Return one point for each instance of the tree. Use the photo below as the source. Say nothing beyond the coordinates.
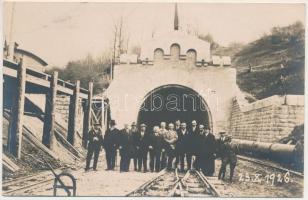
(85, 70)
(209, 38)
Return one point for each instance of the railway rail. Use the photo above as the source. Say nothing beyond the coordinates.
(270, 165)
(173, 183)
(28, 182)
(192, 183)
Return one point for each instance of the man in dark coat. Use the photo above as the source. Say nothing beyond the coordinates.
(144, 141)
(95, 140)
(177, 129)
(198, 145)
(126, 148)
(219, 143)
(177, 126)
(194, 139)
(110, 145)
(207, 157)
(135, 141)
(228, 156)
(155, 148)
(163, 131)
(183, 149)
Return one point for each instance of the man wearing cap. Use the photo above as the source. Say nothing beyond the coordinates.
(228, 156)
(95, 140)
(110, 144)
(126, 148)
(207, 157)
(222, 136)
(135, 140)
(144, 141)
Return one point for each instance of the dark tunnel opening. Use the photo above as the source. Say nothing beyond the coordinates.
(174, 102)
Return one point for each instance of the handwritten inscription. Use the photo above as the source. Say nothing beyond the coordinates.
(270, 179)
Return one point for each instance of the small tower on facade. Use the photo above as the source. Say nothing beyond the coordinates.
(172, 62)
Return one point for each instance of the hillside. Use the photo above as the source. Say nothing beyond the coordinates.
(281, 52)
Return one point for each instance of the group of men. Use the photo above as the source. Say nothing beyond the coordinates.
(167, 146)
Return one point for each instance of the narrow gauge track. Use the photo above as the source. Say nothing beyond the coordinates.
(172, 183)
(270, 165)
(27, 182)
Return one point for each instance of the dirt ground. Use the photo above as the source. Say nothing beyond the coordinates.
(114, 183)
(96, 183)
(271, 183)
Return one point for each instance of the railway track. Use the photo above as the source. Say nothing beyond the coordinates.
(270, 165)
(24, 183)
(173, 183)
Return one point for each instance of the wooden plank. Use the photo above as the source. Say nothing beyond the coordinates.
(87, 116)
(16, 122)
(43, 82)
(68, 145)
(9, 164)
(73, 112)
(49, 118)
(28, 135)
(31, 138)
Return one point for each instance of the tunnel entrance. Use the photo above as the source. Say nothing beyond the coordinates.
(174, 102)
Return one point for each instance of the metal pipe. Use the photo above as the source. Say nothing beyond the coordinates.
(274, 151)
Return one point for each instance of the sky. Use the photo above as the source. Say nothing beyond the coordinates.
(60, 32)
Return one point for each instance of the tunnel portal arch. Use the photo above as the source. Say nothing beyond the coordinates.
(171, 102)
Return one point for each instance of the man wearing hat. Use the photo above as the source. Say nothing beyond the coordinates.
(135, 142)
(95, 140)
(144, 142)
(110, 144)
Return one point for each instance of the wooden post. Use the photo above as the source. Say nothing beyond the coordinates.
(73, 112)
(87, 116)
(49, 118)
(16, 122)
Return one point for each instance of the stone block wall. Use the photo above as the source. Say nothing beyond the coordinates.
(62, 108)
(267, 120)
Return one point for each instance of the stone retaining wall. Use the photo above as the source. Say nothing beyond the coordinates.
(266, 120)
(62, 109)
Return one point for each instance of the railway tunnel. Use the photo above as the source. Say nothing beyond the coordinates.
(169, 103)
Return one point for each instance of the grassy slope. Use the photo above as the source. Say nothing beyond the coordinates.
(269, 53)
